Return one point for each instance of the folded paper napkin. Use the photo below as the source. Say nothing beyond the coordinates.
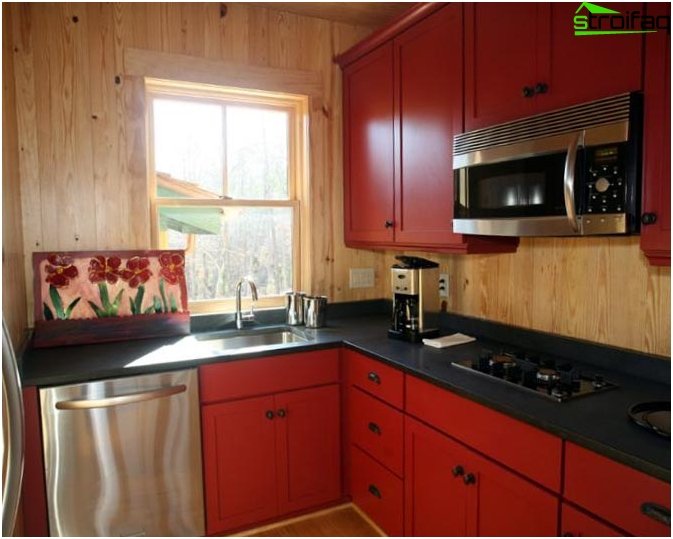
(449, 340)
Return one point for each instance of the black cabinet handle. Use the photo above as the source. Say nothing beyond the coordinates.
(469, 479)
(457, 471)
(648, 218)
(374, 377)
(389, 224)
(374, 428)
(528, 91)
(281, 413)
(541, 88)
(656, 512)
(269, 414)
(374, 491)
(567, 534)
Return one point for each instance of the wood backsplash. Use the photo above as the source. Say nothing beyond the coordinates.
(599, 289)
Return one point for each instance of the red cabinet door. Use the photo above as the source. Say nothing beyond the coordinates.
(428, 111)
(435, 503)
(500, 59)
(368, 148)
(655, 237)
(576, 523)
(239, 463)
(585, 68)
(308, 445)
(503, 504)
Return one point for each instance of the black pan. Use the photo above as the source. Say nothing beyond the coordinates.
(654, 416)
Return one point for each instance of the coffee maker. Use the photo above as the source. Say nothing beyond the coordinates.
(415, 284)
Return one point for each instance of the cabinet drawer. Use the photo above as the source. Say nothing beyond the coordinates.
(377, 492)
(615, 492)
(377, 428)
(523, 448)
(576, 523)
(375, 378)
(260, 376)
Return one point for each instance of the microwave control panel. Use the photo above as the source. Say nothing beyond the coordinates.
(605, 180)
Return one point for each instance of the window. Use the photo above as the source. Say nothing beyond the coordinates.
(228, 175)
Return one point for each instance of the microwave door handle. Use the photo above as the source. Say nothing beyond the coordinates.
(569, 180)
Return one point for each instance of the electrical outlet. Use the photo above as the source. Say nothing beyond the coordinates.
(443, 285)
(361, 277)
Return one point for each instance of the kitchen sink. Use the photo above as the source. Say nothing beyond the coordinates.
(241, 340)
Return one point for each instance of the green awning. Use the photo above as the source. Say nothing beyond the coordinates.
(191, 220)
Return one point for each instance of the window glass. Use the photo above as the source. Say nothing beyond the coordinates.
(188, 148)
(228, 243)
(257, 153)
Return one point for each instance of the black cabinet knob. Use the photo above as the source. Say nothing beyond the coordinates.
(469, 479)
(373, 377)
(528, 91)
(648, 218)
(389, 224)
(281, 413)
(457, 471)
(374, 491)
(374, 428)
(269, 414)
(541, 88)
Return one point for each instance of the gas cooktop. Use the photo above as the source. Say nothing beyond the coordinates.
(556, 380)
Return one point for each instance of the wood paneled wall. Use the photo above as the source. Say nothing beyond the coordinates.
(83, 170)
(598, 289)
(82, 133)
(13, 282)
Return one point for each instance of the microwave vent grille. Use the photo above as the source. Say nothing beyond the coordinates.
(605, 111)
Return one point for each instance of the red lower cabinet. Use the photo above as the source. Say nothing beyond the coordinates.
(452, 491)
(637, 503)
(269, 456)
(308, 447)
(378, 492)
(576, 523)
(239, 463)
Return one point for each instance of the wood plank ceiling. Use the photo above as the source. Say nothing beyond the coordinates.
(372, 14)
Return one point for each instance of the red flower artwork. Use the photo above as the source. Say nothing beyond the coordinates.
(60, 270)
(136, 272)
(104, 269)
(172, 267)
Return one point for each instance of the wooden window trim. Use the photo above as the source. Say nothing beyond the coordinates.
(297, 107)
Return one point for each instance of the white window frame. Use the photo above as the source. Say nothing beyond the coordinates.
(298, 184)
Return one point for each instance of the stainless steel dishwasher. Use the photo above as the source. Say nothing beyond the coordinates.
(123, 456)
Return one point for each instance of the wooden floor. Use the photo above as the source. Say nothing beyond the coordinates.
(342, 521)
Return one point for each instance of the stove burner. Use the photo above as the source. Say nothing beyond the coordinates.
(544, 376)
(548, 376)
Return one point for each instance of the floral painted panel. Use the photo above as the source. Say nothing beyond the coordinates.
(96, 285)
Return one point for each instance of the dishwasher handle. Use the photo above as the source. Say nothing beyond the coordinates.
(118, 400)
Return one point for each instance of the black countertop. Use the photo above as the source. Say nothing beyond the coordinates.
(598, 422)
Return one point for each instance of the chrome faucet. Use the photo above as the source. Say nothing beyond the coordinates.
(241, 319)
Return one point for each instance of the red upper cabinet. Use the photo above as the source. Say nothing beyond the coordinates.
(403, 103)
(428, 111)
(585, 68)
(368, 147)
(655, 237)
(524, 59)
(500, 58)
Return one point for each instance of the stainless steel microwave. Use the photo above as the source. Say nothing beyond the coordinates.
(571, 172)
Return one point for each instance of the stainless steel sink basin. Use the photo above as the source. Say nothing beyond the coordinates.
(252, 339)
